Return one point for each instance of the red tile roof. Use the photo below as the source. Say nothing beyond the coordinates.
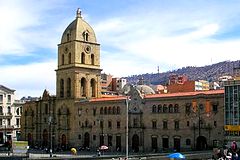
(113, 98)
(180, 94)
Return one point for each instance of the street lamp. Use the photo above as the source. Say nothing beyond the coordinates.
(50, 123)
(127, 101)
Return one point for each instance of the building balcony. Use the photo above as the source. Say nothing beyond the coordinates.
(6, 127)
(88, 126)
(137, 126)
(63, 128)
(29, 127)
(9, 114)
(5, 115)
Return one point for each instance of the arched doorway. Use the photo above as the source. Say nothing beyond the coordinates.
(29, 139)
(86, 140)
(154, 144)
(201, 143)
(64, 142)
(177, 143)
(135, 143)
(45, 138)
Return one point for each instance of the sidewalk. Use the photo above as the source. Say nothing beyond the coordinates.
(108, 155)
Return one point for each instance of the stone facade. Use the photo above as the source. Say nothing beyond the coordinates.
(80, 116)
(156, 122)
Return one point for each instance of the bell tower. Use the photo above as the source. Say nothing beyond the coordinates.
(78, 73)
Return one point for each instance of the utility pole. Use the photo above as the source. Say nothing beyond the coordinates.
(194, 137)
(102, 133)
(50, 123)
(5, 128)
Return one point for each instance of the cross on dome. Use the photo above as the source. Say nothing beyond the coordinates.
(79, 13)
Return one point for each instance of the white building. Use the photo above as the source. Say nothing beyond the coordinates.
(121, 83)
(10, 114)
(214, 86)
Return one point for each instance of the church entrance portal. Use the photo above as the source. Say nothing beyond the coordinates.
(135, 143)
(201, 143)
(86, 140)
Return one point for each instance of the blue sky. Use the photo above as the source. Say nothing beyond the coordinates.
(137, 35)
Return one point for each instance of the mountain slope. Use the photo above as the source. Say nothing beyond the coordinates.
(209, 73)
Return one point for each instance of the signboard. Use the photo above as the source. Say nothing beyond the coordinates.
(232, 127)
(20, 147)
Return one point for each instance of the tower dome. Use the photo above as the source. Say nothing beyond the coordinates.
(144, 89)
(79, 30)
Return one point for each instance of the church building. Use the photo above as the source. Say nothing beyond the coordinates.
(79, 116)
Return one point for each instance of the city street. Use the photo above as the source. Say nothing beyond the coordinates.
(108, 155)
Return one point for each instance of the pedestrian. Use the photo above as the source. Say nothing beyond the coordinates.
(225, 151)
(74, 151)
(234, 146)
(98, 152)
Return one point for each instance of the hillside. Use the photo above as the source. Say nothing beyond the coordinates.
(209, 72)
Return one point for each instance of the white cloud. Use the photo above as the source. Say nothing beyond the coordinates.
(183, 42)
(142, 38)
(30, 79)
(27, 25)
(201, 32)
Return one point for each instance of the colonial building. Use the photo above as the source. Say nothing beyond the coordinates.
(80, 116)
(10, 114)
(181, 121)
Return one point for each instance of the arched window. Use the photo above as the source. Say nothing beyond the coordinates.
(154, 109)
(170, 108)
(9, 110)
(69, 58)
(17, 111)
(61, 88)
(93, 88)
(86, 36)
(105, 110)
(101, 110)
(188, 142)
(86, 123)
(83, 58)
(68, 87)
(176, 108)
(1, 110)
(92, 59)
(109, 110)
(118, 110)
(68, 37)
(46, 108)
(83, 87)
(114, 110)
(159, 108)
(165, 108)
(62, 59)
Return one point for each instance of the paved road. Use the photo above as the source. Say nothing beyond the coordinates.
(108, 156)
